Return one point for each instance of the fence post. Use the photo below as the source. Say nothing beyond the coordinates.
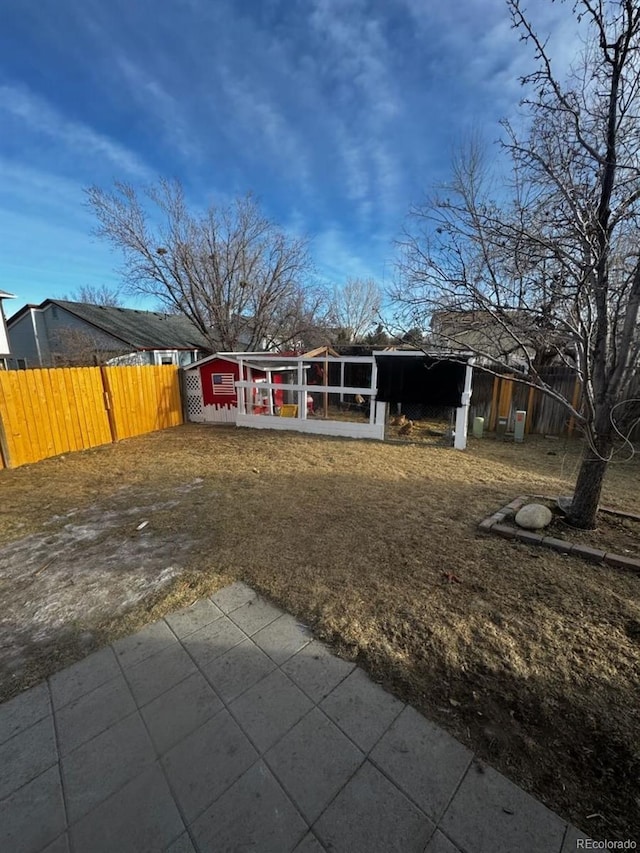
(108, 403)
(529, 422)
(493, 414)
(4, 445)
(182, 384)
(577, 388)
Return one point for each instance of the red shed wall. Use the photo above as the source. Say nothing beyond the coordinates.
(220, 365)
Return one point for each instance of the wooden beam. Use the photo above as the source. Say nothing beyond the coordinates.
(527, 426)
(493, 414)
(577, 391)
(4, 445)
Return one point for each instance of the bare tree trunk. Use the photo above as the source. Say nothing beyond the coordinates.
(588, 489)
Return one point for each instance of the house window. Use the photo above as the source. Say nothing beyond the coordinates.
(21, 363)
(223, 383)
(166, 359)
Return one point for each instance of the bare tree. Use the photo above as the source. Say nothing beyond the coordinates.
(100, 294)
(549, 260)
(355, 307)
(79, 348)
(239, 278)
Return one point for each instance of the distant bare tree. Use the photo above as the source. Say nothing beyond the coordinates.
(79, 348)
(355, 308)
(239, 278)
(100, 294)
(550, 259)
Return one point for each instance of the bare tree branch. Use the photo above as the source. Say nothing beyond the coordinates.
(239, 279)
(547, 264)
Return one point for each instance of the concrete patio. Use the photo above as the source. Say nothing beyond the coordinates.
(227, 727)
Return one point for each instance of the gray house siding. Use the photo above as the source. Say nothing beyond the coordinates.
(23, 341)
(41, 336)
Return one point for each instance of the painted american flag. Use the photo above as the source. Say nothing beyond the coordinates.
(223, 383)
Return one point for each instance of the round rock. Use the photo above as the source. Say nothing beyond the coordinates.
(533, 516)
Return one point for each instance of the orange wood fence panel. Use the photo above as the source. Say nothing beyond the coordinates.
(51, 411)
(142, 399)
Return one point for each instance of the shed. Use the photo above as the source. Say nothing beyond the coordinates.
(210, 386)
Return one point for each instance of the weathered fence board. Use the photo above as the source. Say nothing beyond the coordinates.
(501, 396)
(51, 411)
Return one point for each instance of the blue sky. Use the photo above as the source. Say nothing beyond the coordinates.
(337, 114)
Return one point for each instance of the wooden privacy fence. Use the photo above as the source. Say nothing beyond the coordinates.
(47, 412)
(497, 397)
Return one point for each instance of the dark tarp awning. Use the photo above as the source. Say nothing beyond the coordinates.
(414, 379)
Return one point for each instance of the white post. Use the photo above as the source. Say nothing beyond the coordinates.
(269, 394)
(302, 395)
(342, 381)
(462, 413)
(240, 391)
(374, 388)
(250, 391)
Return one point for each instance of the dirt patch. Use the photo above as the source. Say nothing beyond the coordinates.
(532, 659)
(613, 534)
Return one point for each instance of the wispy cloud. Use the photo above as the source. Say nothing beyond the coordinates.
(263, 129)
(80, 139)
(164, 108)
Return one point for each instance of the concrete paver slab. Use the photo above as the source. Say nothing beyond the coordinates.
(149, 641)
(313, 762)
(83, 677)
(316, 671)
(142, 816)
(213, 640)
(27, 755)
(34, 815)
(282, 638)
(84, 718)
(573, 835)
(423, 760)
(288, 751)
(362, 709)
(254, 814)
(23, 711)
(159, 673)
(309, 844)
(233, 596)
(181, 845)
(180, 711)
(489, 814)
(238, 669)
(190, 619)
(255, 614)
(370, 815)
(203, 765)
(60, 845)
(98, 768)
(270, 708)
(440, 844)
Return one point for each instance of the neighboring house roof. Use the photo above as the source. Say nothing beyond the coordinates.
(480, 331)
(139, 329)
(5, 295)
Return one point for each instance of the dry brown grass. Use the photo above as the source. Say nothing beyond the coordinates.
(533, 660)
